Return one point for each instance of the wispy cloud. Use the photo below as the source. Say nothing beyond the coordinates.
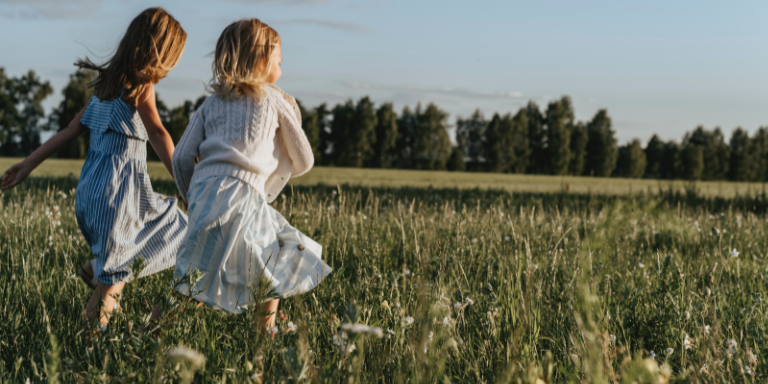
(462, 93)
(340, 25)
(49, 9)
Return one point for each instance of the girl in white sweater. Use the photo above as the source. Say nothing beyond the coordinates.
(240, 149)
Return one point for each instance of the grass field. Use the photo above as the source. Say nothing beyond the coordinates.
(466, 285)
(465, 180)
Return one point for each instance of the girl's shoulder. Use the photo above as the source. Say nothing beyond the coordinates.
(279, 95)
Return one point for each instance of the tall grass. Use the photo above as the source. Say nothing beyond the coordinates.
(465, 285)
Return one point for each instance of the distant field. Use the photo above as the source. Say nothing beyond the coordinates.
(442, 179)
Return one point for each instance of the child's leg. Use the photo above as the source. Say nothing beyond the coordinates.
(269, 307)
(104, 293)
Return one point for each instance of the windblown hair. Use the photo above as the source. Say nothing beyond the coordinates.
(244, 54)
(151, 47)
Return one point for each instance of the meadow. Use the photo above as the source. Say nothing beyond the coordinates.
(432, 282)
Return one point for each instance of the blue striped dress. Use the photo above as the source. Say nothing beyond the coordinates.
(120, 216)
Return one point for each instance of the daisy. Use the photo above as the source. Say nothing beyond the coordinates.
(734, 253)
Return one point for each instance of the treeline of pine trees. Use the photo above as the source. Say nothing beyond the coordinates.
(533, 140)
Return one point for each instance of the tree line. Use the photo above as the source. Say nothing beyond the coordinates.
(533, 140)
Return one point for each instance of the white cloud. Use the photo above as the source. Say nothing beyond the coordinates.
(49, 9)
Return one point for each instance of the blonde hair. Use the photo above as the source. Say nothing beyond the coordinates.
(242, 60)
(151, 47)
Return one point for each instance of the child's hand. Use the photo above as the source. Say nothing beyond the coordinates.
(15, 175)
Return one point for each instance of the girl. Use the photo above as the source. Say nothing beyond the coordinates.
(248, 139)
(119, 215)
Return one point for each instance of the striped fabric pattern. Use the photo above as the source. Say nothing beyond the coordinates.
(119, 215)
(235, 238)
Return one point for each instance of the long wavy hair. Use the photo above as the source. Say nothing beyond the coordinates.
(151, 47)
(242, 60)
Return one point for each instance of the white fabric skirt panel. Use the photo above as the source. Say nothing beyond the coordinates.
(235, 238)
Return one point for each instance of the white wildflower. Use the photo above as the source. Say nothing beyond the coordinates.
(457, 305)
(409, 320)
(706, 330)
(704, 370)
(641, 265)
(670, 351)
(291, 327)
(751, 356)
(407, 272)
(272, 330)
(613, 339)
(469, 301)
(351, 348)
(431, 334)
(447, 320)
(734, 253)
(731, 343)
(748, 369)
(688, 342)
(306, 213)
(362, 328)
(474, 241)
(652, 355)
(390, 331)
(183, 354)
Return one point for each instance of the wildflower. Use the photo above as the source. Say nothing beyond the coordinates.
(457, 305)
(652, 355)
(385, 304)
(390, 331)
(351, 348)
(734, 253)
(535, 266)
(407, 272)
(704, 370)
(291, 327)
(431, 334)
(751, 356)
(255, 376)
(687, 315)
(731, 343)
(272, 330)
(447, 320)
(61, 231)
(613, 339)
(688, 342)
(670, 351)
(506, 238)
(182, 353)
(55, 208)
(333, 192)
(469, 301)
(706, 330)
(409, 320)
(306, 213)
(748, 369)
(362, 328)
(474, 241)
(641, 265)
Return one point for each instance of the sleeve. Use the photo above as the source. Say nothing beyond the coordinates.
(187, 151)
(294, 138)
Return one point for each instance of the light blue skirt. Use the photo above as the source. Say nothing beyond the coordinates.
(235, 238)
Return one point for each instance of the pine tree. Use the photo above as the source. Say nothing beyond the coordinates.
(407, 125)
(431, 145)
(693, 161)
(341, 124)
(497, 144)
(456, 161)
(671, 161)
(536, 139)
(654, 152)
(715, 152)
(21, 111)
(631, 162)
(578, 149)
(311, 128)
(559, 118)
(76, 96)
(519, 142)
(602, 151)
(386, 137)
(760, 148)
(472, 132)
(325, 147)
(742, 167)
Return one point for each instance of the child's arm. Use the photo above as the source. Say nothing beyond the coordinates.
(159, 138)
(19, 171)
(295, 140)
(187, 151)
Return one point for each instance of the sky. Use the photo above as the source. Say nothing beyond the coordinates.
(657, 66)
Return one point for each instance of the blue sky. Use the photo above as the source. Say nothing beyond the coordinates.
(658, 66)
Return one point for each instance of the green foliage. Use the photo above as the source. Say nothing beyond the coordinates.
(632, 160)
(693, 161)
(471, 132)
(579, 138)
(537, 163)
(431, 146)
(175, 120)
(76, 96)
(311, 127)
(385, 153)
(501, 287)
(21, 112)
(559, 118)
(715, 152)
(602, 151)
(654, 154)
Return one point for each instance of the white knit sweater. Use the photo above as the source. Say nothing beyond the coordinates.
(259, 141)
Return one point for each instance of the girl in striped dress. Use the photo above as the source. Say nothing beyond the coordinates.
(119, 215)
(248, 139)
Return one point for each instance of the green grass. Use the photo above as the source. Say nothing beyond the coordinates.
(503, 287)
(441, 179)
